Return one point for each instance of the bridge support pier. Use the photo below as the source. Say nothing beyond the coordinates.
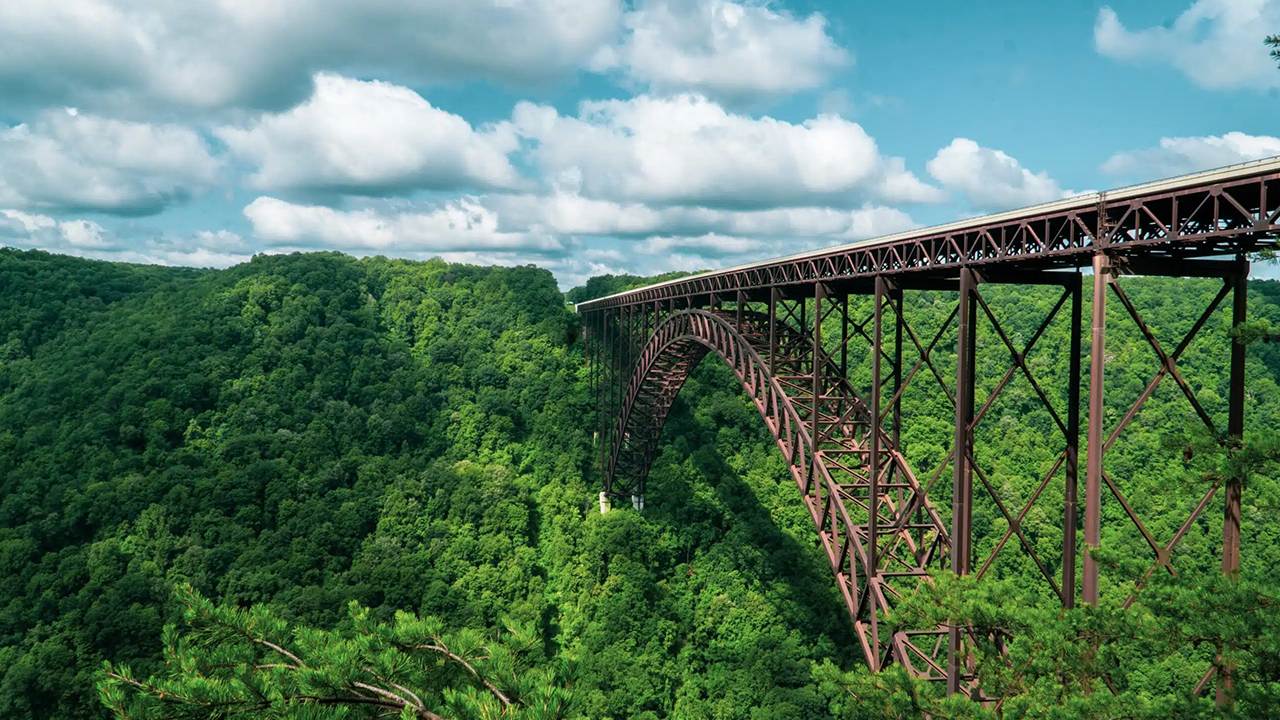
(962, 469)
(1071, 487)
(1225, 693)
(873, 516)
(1093, 472)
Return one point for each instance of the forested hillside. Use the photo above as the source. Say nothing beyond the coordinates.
(329, 474)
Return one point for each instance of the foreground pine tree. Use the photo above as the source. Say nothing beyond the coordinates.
(226, 662)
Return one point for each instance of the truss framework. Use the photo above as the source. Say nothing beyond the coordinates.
(787, 330)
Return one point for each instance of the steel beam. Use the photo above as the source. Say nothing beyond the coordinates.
(897, 368)
(1235, 210)
(1069, 510)
(873, 509)
(819, 297)
(962, 469)
(1094, 464)
(1225, 694)
(1235, 421)
(774, 296)
(897, 505)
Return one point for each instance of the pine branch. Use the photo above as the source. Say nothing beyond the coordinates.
(439, 647)
(400, 702)
(167, 696)
(298, 663)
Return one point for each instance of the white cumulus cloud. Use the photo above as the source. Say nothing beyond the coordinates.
(689, 150)
(1180, 155)
(370, 138)
(990, 179)
(730, 50)
(571, 214)
(459, 225)
(1215, 43)
(35, 230)
(130, 55)
(702, 247)
(87, 238)
(66, 159)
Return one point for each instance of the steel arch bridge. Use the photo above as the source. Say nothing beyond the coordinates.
(789, 329)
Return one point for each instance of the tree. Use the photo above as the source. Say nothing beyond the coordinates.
(303, 430)
(227, 662)
(1273, 41)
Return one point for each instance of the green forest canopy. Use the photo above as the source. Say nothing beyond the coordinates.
(326, 474)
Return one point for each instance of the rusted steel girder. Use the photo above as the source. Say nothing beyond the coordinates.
(830, 465)
(877, 522)
(1228, 217)
(879, 516)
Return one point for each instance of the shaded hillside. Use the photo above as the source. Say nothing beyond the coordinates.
(303, 431)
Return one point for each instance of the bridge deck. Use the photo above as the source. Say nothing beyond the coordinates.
(843, 445)
(1218, 212)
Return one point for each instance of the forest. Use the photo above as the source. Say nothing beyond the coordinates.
(314, 486)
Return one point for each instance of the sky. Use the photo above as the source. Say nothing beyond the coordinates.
(597, 136)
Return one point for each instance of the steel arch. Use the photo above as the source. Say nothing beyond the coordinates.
(833, 474)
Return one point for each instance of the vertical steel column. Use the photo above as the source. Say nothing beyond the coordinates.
(591, 342)
(1072, 479)
(1094, 460)
(596, 323)
(819, 295)
(841, 407)
(1225, 694)
(962, 478)
(773, 330)
(804, 305)
(844, 336)
(1235, 423)
(896, 296)
(873, 463)
(619, 352)
(645, 328)
(606, 388)
(898, 322)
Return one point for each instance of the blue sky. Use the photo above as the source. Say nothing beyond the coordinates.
(592, 136)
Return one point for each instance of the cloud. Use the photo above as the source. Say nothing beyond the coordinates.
(689, 150)
(735, 51)
(703, 246)
(663, 253)
(74, 161)
(370, 138)
(570, 214)
(1215, 43)
(34, 230)
(1180, 155)
(608, 237)
(459, 225)
(86, 238)
(131, 55)
(990, 179)
(570, 235)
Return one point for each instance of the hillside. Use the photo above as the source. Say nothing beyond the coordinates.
(304, 431)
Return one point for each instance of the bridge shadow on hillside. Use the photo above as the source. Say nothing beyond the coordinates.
(720, 485)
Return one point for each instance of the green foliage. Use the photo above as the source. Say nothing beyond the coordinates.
(1274, 42)
(301, 430)
(232, 663)
(301, 433)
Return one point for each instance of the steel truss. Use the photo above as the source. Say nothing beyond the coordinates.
(789, 331)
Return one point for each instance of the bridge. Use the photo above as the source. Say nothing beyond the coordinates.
(789, 328)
